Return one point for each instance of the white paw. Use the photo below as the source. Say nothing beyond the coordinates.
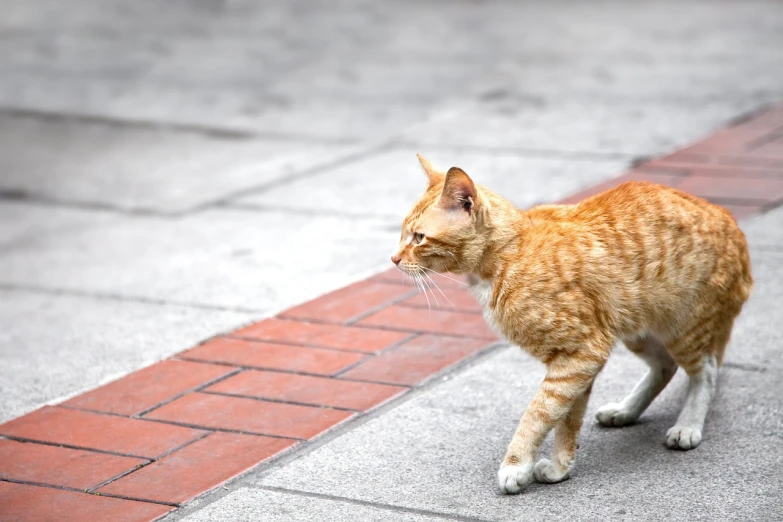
(513, 479)
(613, 414)
(548, 472)
(683, 437)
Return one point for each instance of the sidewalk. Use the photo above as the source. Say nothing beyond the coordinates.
(140, 216)
(166, 434)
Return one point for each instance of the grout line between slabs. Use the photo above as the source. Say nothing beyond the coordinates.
(386, 328)
(744, 367)
(136, 499)
(375, 309)
(226, 133)
(189, 390)
(224, 430)
(307, 172)
(260, 207)
(742, 202)
(142, 466)
(118, 477)
(83, 492)
(123, 298)
(392, 347)
(291, 343)
(43, 200)
(441, 308)
(427, 332)
(771, 137)
(369, 503)
(422, 387)
(282, 401)
(72, 446)
(332, 376)
(358, 420)
(768, 207)
(577, 155)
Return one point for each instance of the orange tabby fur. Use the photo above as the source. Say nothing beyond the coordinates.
(661, 270)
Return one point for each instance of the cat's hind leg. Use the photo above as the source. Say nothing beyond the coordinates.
(699, 354)
(662, 369)
(686, 434)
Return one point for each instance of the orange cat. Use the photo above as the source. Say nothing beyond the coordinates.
(661, 270)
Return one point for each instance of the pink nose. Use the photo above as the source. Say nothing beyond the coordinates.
(396, 259)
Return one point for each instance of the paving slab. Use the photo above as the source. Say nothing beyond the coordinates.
(757, 335)
(439, 451)
(141, 169)
(548, 81)
(359, 68)
(22, 223)
(638, 52)
(251, 505)
(575, 125)
(387, 184)
(53, 346)
(765, 231)
(219, 258)
(232, 66)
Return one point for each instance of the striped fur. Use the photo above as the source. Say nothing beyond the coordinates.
(659, 269)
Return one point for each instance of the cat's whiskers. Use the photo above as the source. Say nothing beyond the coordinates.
(439, 290)
(443, 275)
(414, 281)
(420, 281)
(424, 275)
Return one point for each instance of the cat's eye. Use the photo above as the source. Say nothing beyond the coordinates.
(418, 237)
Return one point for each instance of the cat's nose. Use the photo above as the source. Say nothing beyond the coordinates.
(396, 259)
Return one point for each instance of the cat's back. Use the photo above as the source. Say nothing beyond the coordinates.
(677, 243)
(649, 249)
(648, 213)
(638, 215)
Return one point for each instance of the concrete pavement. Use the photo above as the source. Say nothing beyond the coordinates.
(169, 171)
(435, 454)
(184, 155)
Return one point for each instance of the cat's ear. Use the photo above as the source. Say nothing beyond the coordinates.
(459, 192)
(433, 175)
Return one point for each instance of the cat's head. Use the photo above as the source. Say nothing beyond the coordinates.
(441, 232)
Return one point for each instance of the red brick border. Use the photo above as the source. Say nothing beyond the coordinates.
(138, 447)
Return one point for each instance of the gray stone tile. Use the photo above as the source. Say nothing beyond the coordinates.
(252, 505)
(354, 69)
(439, 451)
(389, 183)
(575, 125)
(757, 336)
(236, 66)
(53, 346)
(25, 223)
(765, 231)
(134, 168)
(262, 261)
(637, 53)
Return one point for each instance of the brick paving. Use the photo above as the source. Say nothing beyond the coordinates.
(138, 447)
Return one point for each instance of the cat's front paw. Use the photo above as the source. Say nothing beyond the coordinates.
(614, 415)
(513, 479)
(548, 472)
(683, 437)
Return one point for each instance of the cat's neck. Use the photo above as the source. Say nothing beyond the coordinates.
(503, 225)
